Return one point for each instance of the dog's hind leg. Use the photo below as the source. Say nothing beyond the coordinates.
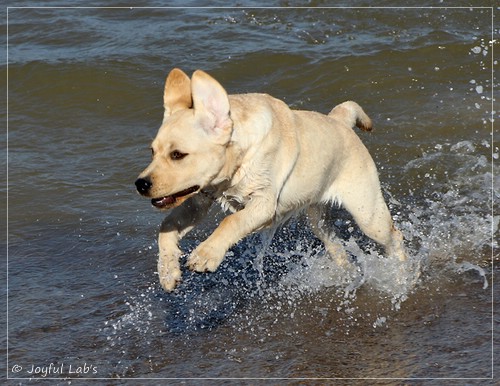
(374, 219)
(316, 215)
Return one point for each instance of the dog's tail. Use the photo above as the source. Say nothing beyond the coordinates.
(353, 114)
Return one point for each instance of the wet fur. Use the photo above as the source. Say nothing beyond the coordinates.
(262, 161)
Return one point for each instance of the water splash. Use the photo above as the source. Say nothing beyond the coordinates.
(455, 221)
(283, 269)
(446, 221)
(136, 318)
(466, 266)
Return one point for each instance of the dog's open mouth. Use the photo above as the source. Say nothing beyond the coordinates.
(172, 200)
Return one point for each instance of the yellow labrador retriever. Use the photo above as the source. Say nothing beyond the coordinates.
(263, 162)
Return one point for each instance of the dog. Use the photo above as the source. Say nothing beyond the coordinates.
(263, 162)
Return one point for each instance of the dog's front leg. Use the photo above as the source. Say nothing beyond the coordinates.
(175, 226)
(210, 253)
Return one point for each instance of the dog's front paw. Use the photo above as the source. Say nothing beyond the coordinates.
(169, 276)
(204, 259)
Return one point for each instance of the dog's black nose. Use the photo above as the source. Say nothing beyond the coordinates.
(143, 185)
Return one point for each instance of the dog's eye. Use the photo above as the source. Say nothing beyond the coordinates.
(152, 152)
(177, 155)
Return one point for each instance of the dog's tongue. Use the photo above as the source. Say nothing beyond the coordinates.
(162, 202)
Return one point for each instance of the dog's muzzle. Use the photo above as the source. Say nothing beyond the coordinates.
(144, 185)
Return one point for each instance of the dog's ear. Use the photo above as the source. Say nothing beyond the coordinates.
(177, 94)
(211, 105)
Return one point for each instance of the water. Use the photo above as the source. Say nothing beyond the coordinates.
(84, 101)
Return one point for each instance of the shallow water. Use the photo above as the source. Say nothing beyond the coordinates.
(84, 101)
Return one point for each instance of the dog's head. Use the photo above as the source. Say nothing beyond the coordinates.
(189, 150)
